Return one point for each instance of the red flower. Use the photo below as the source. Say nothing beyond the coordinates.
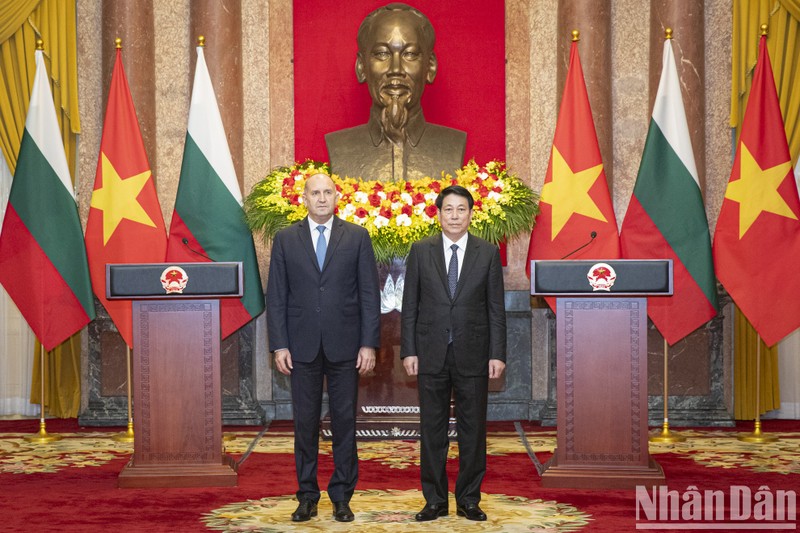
(355, 186)
(407, 210)
(378, 186)
(289, 182)
(408, 187)
(361, 213)
(338, 187)
(497, 189)
(436, 186)
(453, 181)
(478, 205)
(374, 200)
(418, 198)
(483, 191)
(393, 195)
(431, 211)
(294, 199)
(386, 212)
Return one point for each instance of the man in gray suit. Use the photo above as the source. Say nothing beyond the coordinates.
(323, 315)
(454, 340)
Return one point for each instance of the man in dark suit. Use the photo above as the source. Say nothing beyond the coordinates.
(453, 340)
(323, 315)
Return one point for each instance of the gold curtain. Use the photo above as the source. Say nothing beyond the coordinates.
(783, 44)
(21, 23)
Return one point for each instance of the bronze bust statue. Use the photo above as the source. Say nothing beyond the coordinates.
(396, 59)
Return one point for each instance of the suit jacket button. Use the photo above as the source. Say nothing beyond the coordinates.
(322, 289)
(317, 309)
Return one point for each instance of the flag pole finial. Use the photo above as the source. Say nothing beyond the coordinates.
(201, 41)
(576, 36)
(763, 29)
(668, 33)
(118, 43)
(39, 44)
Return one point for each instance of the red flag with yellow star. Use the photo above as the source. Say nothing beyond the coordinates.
(125, 223)
(757, 238)
(576, 218)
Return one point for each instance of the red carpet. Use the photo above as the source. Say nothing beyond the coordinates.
(71, 485)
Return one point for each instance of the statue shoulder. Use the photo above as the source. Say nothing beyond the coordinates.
(443, 132)
(359, 134)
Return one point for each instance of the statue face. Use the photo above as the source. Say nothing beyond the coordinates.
(396, 62)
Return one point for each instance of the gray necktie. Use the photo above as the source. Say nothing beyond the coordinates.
(322, 246)
(452, 271)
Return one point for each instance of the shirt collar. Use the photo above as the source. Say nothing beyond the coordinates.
(462, 242)
(313, 225)
(414, 129)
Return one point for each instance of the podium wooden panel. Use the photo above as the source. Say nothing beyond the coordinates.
(177, 395)
(601, 345)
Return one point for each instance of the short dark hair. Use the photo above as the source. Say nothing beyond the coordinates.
(454, 189)
(426, 32)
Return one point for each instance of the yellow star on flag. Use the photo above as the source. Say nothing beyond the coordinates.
(117, 199)
(568, 193)
(756, 190)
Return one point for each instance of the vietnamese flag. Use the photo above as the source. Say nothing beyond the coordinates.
(125, 224)
(208, 221)
(757, 238)
(666, 218)
(575, 207)
(42, 255)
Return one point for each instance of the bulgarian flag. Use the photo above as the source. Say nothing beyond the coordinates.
(125, 224)
(208, 221)
(666, 218)
(757, 238)
(43, 263)
(576, 217)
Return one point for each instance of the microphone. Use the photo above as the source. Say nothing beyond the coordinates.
(592, 237)
(185, 242)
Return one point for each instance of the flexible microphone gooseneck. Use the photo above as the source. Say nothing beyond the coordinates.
(592, 237)
(185, 242)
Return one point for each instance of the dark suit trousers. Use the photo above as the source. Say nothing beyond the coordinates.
(307, 379)
(471, 396)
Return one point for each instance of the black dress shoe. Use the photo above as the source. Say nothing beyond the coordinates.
(431, 512)
(471, 511)
(342, 512)
(304, 511)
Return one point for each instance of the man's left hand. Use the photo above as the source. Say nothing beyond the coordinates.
(366, 360)
(496, 367)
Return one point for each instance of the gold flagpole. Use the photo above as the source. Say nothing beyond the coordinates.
(665, 436)
(42, 437)
(127, 436)
(756, 436)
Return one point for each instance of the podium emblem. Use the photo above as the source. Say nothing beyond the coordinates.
(174, 279)
(601, 277)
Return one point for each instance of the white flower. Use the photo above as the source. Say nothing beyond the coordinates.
(381, 221)
(403, 220)
(360, 197)
(382, 195)
(431, 196)
(406, 198)
(348, 211)
(496, 196)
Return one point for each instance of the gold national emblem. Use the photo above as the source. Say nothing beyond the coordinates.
(174, 279)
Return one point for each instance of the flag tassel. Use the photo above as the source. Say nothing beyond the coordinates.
(757, 437)
(42, 437)
(666, 436)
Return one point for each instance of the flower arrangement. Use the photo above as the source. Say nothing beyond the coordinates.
(397, 213)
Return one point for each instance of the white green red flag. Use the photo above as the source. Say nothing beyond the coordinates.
(43, 264)
(576, 216)
(208, 221)
(125, 223)
(666, 218)
(757, 238)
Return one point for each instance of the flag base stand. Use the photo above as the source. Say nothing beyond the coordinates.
(125, 436)
(757, 437)
(666, 436)
(43, 437)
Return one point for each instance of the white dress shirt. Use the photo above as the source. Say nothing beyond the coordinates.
(462, 246)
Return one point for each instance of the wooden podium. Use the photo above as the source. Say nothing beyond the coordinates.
(176, 371)
(601, 344)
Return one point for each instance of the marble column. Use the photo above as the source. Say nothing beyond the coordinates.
(592, 18)
(131, 21)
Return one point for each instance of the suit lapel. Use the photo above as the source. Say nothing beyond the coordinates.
(470, 257)
(305, 239)
(437, 251)
(337, 231)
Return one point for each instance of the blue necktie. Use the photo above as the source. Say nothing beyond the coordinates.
(452, 271)
(322, 246)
